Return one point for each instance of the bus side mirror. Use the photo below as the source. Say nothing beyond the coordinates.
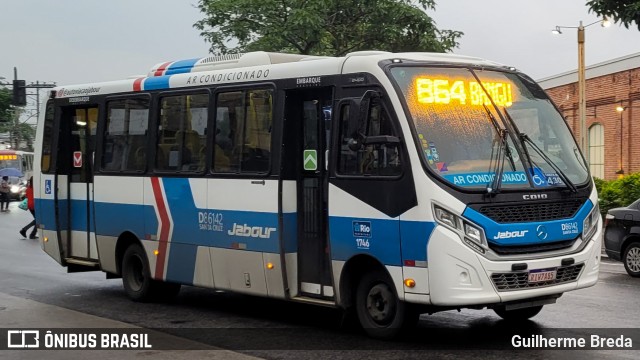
(359, 111)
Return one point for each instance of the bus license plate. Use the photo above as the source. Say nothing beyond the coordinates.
(536, 276)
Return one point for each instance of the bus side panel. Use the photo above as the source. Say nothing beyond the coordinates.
(290, 237)
(203, 275)
(82, 224)
(119, 208)
(241, 220)
(235, 220)
(355, 228)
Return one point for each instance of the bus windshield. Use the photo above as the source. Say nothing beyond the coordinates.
(14, 163)
(461, 132)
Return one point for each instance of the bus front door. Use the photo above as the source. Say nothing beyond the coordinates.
(307, 117)
(74, 177)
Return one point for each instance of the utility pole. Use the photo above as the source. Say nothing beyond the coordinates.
(16, 109)
(19, 100)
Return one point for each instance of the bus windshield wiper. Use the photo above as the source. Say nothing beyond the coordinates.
(496, 183)
(555, 167)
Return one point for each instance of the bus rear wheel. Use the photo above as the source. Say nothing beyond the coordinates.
(381, 314)
(518, 314)
(136, 277)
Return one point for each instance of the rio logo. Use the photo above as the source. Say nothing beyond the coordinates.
(362, 229)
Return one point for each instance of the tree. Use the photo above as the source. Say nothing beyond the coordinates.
(322, 27)
(624, 11)
(6, 113)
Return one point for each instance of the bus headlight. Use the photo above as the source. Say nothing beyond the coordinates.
(15, 189)
(590, 223)
(446, 217)
(473, 233)
(469, 233)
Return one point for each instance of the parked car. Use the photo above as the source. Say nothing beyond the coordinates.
(622, 236)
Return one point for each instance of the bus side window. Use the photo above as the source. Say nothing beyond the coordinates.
(372, 160)
(47, 140)
(243, 131)
(125, 138)
(182, 135)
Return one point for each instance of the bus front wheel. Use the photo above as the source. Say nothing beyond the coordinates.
(381, 314)
(518, 314)
(136, 277)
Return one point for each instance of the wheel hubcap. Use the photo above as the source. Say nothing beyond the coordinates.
(633, 259)
(381, 304)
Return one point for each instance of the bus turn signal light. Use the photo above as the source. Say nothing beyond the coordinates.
(269, 266)
(156, 252)
(409, 283)
(46, 239)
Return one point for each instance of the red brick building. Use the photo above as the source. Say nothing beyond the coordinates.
(613, 113)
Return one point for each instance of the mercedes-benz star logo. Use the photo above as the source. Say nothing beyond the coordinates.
(541, 231)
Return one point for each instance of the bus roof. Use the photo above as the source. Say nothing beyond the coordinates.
(253, 66)
(13, 152)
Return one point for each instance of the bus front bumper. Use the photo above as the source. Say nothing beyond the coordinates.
(460, 276)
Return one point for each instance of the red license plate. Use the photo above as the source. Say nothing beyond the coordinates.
(536, 276)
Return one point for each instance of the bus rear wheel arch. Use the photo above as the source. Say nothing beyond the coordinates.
(137, 281)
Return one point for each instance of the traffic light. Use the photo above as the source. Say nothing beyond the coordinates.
(19, 93)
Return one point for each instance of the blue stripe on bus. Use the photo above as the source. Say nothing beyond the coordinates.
(182, 66)
(381, 240)
(45, 214)
(535, 232)
(415, 237)
(182, 263)
(156, 83)
(113, 219)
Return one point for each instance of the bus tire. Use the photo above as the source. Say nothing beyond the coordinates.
(136, 277)
(381, 314)
(518, 314)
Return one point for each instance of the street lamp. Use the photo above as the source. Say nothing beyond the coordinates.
(620, 109)
(582, 102)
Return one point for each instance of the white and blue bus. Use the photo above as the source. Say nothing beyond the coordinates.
(386, 184)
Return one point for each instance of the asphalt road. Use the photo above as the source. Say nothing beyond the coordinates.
(282, 330)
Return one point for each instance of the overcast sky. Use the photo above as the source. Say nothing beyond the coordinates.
(77, 41)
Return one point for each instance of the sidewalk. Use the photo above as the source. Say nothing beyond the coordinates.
(19, 313)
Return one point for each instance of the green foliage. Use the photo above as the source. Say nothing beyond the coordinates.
(5, 104)
(618, 193)
(322, 27)
(19, 133)
(624, 11)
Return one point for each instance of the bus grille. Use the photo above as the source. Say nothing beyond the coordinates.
(520, 280)
(531, 212)
(528, 249)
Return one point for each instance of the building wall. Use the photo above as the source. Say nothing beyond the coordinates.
(603, 95)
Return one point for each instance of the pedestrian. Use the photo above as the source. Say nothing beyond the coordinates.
(4, 194)
(32, 209)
